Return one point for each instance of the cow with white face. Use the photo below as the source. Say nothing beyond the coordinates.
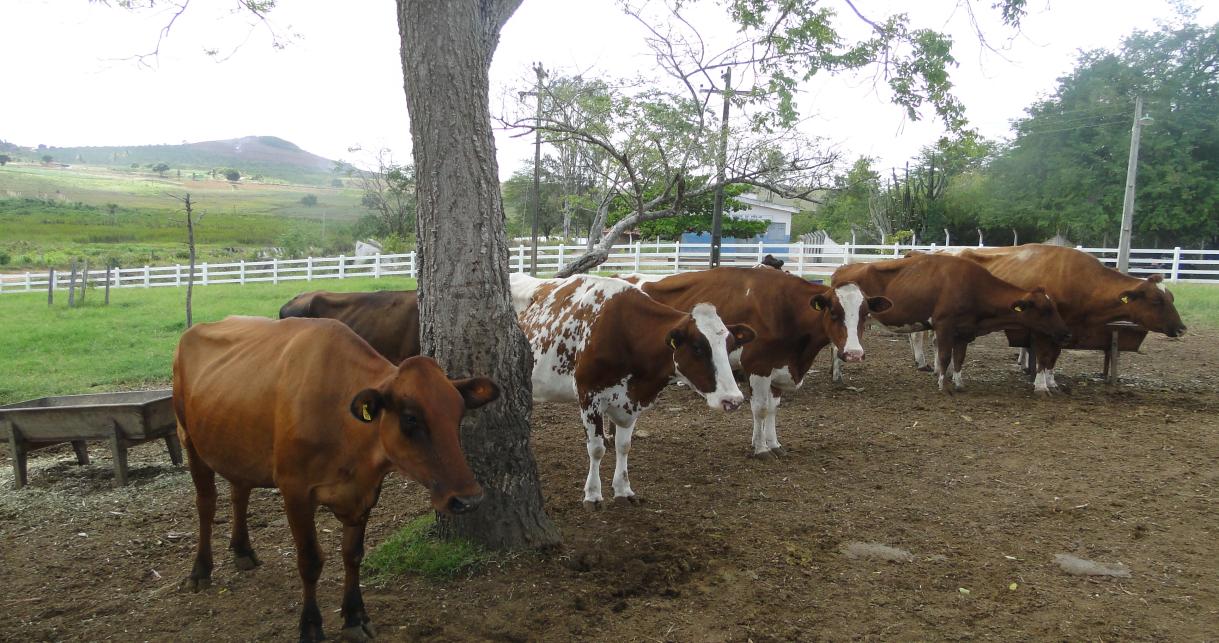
(603, 343)
(793, 320)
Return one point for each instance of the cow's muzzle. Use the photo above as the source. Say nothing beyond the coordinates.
(1063, 338)
(462, 504)
(853, 356)
(1176, 332)
(731, 404)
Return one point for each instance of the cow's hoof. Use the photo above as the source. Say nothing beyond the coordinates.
(247, 562)
(358, 633)
(779, 451)
(195, 584)
(593, 505)
(313, 634)
(628, 500)
(763, 455)
(1042, 392)
(926, 369)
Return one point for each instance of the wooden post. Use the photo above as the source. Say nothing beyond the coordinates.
(677, 255)
(118, 450)
(51, 287)
(342, 266)
(84, 282)
(17, 450)
(1176, 264)
(242, 273)
(308, 269)
(108, 268)
(1111, 371)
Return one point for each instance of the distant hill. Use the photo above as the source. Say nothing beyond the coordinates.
(269, 156)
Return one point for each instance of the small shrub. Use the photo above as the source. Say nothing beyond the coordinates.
(415, 549)
(5, 258)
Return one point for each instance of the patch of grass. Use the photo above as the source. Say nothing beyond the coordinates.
(415, 549)
(1197, 303)
(130, 343)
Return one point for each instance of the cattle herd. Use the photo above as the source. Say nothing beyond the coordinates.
(327, 400)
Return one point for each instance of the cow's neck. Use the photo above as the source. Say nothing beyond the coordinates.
(635, 326)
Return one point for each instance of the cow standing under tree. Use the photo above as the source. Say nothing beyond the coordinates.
(308, 407)
(387, 319)
(792, 318)
(957, 299)
(603, 343)
(1088, 294)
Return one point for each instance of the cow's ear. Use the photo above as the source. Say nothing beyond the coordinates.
(820, 302)
(1155, 279)
(477, 391)
(1129, 295)
(879, 304)
(675, 338)
(1021, 305)
(742, 334)
(367, 405)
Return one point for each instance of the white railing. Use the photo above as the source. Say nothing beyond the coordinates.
(1176, 264)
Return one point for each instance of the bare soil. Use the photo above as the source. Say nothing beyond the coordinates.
(983, 488)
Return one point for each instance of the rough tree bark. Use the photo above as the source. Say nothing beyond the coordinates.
(465, 313)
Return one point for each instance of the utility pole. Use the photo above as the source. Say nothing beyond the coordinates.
(537, 165)
(1132, 166)
(717, 213)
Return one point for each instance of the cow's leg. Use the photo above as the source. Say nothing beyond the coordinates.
(622, 449)
(205, 502)
(772, 433)
(595, 442)
(1022, 357)
(356, 624)
(837, 375)
(943, 362)
(760, 402)
(300, 509)
(1046, 353)
(918, 344)
(243, 553)
(958, 363)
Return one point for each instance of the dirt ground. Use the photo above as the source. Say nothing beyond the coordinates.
(983, 489)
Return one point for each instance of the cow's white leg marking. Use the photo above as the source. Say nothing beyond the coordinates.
(1022, 357)
(1049, 379)
(918, 344)
(596, 450)
(1040, 382)
(946, 375)
(836, 373)
(772, 434)
(622, 448)
(957, 380)
(760, 404)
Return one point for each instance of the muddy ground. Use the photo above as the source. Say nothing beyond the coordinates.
(983, 489)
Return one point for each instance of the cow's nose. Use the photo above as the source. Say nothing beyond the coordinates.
(732, 403)
(462, 504)
(1180, 331)
(1063, 338)
(853, 356)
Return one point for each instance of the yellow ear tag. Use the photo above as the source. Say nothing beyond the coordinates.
(1018, 309)
(673, 343)
(364, 411)
(1125, 299)
(817, 305)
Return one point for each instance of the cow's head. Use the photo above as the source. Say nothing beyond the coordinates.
(418, 412)
(1151, 306)
(843, 311)
(701, 344)
(1036, 311)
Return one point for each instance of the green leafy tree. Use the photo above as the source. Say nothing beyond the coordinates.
(161, 168)
(309, 200)
(4, 159)
(47, 158)
(232, 175)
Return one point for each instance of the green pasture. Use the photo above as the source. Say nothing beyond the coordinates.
(49, 216)
(129, 344)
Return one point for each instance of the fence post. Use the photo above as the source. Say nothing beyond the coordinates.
(241, 272)
(560, 256)
(1176, 264)
(177, 274)
(50, 286)
(376, 266)
(309, 269)
(800, 260)
(147, 277)
(29, 284)
(204, 273)
(846, 256)
(274, 270)
(895, 251)
(72, 286)
(637, 249)
(414, 264)
(520, 258)
(108, 266)
(677, 255)
(342, 266)
(760, 251)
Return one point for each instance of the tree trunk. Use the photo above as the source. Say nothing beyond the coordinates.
(466, 317)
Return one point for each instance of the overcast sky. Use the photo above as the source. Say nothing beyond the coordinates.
(68, 77)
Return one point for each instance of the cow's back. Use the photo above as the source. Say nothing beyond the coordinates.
(1072, 278)
(388, 319)
(245, 386)
(771, 302)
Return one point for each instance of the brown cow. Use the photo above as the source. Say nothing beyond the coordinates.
(1088, 293)
(956, 298)
(793, 320)
(601, 342)
(306, 406)
(388, 319)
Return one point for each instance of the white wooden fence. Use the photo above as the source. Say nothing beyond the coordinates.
(1176, 264)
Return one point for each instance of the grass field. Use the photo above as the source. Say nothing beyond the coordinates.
(129, 344)
(50, 215)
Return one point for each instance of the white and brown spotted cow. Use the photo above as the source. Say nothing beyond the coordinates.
(603, 343)
(793, 320)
